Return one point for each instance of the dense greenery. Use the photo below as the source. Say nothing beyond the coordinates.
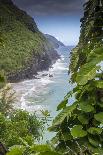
(79, 126)
(19, 127)
(22, 39)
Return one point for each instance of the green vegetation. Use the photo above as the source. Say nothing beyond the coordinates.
(18, 127)
(22, 40)
(19, 130)
(79, 126)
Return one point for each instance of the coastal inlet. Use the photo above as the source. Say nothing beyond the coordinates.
(48, 89)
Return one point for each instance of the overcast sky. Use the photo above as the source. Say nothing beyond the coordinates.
(60, 18)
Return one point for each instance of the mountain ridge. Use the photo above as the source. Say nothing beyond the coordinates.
(53, 41)
(25, 49)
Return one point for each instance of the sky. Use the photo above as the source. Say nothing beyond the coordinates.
(60, 18)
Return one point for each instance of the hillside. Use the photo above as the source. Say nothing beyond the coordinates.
(53, 41)
(25, 50)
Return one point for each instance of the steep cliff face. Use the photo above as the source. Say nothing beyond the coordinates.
(25, 49)
(53, 41)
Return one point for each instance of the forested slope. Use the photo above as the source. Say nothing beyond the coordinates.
(25, 49)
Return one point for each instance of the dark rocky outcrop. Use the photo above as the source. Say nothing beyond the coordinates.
(38, 63)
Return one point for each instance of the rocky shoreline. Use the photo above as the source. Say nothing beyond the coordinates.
(38, 63)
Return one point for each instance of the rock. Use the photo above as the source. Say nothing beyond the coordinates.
(50, 75)
(44, 74)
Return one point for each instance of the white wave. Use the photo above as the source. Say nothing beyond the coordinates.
(36, 87)
(58, 66)
(46, 81)
(23, 100)
(35, 108)
(62, 57)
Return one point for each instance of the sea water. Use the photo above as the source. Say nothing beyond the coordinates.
(44, 92)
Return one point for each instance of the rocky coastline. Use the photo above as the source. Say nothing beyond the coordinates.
(38, 63)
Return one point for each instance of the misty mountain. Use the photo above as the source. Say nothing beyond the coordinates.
(53, 41)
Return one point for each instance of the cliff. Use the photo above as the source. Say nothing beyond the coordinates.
(53, 41)
(25, 49)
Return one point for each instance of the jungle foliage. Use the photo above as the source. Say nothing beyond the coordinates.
(79, 126)
(21, 38)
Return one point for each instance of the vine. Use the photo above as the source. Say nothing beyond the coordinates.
(79, 126)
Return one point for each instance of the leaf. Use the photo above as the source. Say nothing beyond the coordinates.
(96, 55)
(86, 73)
(41, 148)
(86, 107)
(74, 59)
(93, 141)
(16, 150)
(69, 94)
(63, 114)
(94, 130)
(100, 104)
(99, 84)
(62, 105)
(65, 136)
(77, 131)
(44, 150)
(99, 117)
(83, 119)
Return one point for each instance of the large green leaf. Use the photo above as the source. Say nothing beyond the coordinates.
(94, 141)
(96, 55)
(86, 73)
(94, 130)
(63, 114)
(86, 107)
(99, 117)
(83, 119)
(62, 105)
(77, 131)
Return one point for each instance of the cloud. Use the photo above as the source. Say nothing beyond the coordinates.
(50, 7)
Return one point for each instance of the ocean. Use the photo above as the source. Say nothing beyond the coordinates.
(48, 89)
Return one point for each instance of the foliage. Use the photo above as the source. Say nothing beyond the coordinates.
(34, 150)
(19, 130)
(20, 126)
(79, 126)
(20, 38)
(6, 99)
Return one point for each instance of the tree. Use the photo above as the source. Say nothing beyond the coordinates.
(79, 126)
(20, 127)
